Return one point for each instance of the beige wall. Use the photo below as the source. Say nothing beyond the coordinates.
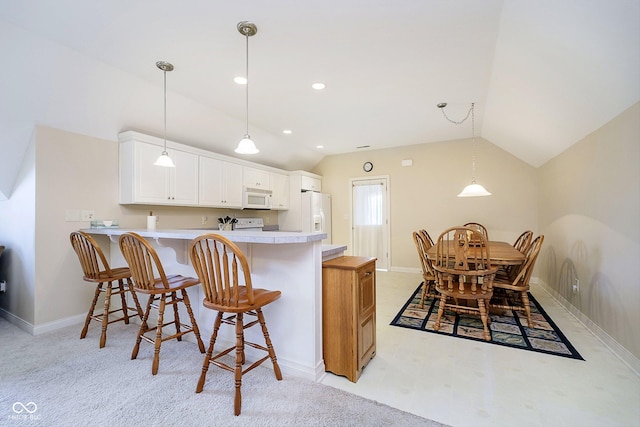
(64, 171)
(586, 202)
(589, 207)
(424, 195)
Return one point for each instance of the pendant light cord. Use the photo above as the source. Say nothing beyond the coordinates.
(247, 88)
(473, 134)
(473, 143)
(165, 111)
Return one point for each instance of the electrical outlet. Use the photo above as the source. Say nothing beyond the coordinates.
(204, 220)
(576, 286)
(3, 286)
(87, 215)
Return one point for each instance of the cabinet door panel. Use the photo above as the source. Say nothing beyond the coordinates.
(210, 191)
(184, 182)
(233, 185)
(151, 181)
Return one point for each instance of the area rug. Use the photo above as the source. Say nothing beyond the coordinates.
(508, 328)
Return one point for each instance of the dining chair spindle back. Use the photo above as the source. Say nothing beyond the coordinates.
(511, 291)
(428, 275)
(464, 272)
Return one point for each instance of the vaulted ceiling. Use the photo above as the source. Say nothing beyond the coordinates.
(542, 74)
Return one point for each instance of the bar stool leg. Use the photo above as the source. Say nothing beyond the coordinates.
(105, 315)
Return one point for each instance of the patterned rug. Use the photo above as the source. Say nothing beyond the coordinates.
(508, 328)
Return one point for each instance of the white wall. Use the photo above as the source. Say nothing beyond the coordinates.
(17, 234)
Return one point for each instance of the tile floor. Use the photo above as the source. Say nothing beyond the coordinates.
(465, 383)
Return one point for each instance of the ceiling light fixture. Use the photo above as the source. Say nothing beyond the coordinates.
(318, 86)
(474, 189)
(164, 159)
(246, 145)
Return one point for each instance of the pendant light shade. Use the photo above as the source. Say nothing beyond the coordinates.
(246, 145)
(164, 160)
(474, 189)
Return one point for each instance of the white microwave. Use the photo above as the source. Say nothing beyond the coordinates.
(256, 198)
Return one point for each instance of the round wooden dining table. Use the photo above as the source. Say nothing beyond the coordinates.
(500, 253)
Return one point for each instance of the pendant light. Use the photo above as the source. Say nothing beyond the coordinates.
(246, 145)
(474, 189)
(164, 160)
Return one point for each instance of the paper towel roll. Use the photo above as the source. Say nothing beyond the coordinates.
(151, 222)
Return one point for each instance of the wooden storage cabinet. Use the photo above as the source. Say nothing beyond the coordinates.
(348, 314)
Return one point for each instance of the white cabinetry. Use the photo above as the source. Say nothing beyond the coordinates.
(299, 181)
(141, 182)
(309, 183)
(220, 183)
(280, 188)
(257, 178)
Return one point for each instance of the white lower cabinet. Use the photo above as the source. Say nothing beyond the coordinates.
(220, 183)
(142, 182)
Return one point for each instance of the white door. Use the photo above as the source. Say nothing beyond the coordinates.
(370, 219)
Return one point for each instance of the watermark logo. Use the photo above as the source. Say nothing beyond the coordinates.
(24, 411)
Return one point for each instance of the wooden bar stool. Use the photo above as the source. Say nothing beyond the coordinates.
(111, 281)
(144, 263)
(216, 260)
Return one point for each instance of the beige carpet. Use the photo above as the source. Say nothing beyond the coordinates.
(56, 379)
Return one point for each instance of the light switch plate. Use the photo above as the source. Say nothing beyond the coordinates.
(72, 215)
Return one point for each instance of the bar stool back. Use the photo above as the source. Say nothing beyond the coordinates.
(109, 280)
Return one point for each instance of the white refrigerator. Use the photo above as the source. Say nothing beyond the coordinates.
(316, 214)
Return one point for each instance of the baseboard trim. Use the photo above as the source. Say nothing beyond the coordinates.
(41, 329)
(614, 346)
(17, 321)
(58, 324)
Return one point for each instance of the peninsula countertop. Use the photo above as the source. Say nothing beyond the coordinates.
(236, 236)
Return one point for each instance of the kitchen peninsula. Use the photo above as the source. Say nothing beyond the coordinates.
(287, 261)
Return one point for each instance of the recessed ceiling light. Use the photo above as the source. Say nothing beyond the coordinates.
(319, 146)
(287, 131)
(240, 80)
(318, 86)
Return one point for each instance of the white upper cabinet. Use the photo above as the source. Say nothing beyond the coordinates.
(201, 177)
(144, 183)
(257, 178)
(310, 184)
(280, 188)
(220, 183)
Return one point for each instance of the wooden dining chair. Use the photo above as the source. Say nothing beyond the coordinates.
(110, 281)
(523, 241)
(464, 272)
(149, 278)
(478, 227)
(511, 291)
(428, 275)
(426, 235)
(216, 260)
